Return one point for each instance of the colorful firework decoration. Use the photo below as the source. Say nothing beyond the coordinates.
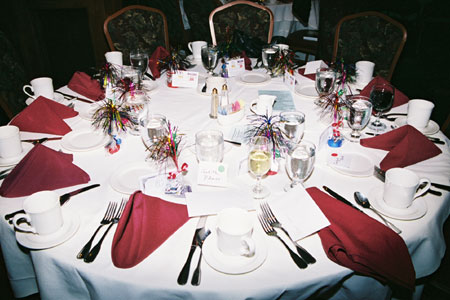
(112, 118)
(267, 126)
(108, 75)
(284, 63)
(175, 61)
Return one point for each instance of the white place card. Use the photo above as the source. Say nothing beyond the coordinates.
(185, 79)
(312, 66)
(289, 80)
(212, 174)
(235, 67)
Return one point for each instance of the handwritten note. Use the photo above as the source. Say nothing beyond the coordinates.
(212, 174)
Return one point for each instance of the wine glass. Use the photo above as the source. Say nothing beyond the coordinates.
(360, 110)
(292, 126)
(325, 80)
(210, 56)
(269, 55)
(139, 60)
(300, 163)
(382, 98)
(259, 162)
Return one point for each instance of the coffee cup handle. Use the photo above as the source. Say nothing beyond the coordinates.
(423, 190)
(25, 91)
(190, 46)
(17, 225)
(248, 247)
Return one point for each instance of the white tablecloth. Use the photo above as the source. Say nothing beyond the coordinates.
(57, 274)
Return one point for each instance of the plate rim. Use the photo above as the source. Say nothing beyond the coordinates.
(401, 121)
(266, 76)
(15, 160)
(128, 166)
(304, 95)
(64, 142)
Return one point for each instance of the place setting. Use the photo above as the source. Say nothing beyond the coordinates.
(43, 86)
(12, 149)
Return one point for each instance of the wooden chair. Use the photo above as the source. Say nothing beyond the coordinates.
(251, 18)
(370, 36)
(136, 26)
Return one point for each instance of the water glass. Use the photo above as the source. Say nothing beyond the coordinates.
(156, 126)
(292, 126)
(136, 104)
(300, 163)
(209, 146)
(139, 59)
(325, 80)
(360, 110)
(210, 57)
(382, 99)
(259, 162)
(269, 56)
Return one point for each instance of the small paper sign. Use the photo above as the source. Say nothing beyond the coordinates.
(212, 174)
(185, 79)
(235, 67)
(289, 80)
(312, 66)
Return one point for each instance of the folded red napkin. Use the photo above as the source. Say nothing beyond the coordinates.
(42, 169)
(145, 224)
(406, 146)
(399, 97)
(45, 116)
(247, 61)
(362, 244)
(301, 71)
(84, 85)
(153, 62)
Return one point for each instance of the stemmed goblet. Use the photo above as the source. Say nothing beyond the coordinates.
(292, 126)
(325, 80)
(382, 99)
(259, 161)
(139, 60)
(300, 163)
(360, 110)
(210, 56)
(269, 55)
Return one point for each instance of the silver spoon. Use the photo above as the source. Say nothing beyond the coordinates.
(364, 202)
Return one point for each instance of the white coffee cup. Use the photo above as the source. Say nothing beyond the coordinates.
(364, 71)
(42, 86)
(401, 187)
(196, 49)
(263, 105)
(234, 232)
(282, 47)
(10, 144)
(42, 213)
(214, 82)
(419, 112)
(114, 57)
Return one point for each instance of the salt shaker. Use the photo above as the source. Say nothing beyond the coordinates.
(224, 100)
(214, 104)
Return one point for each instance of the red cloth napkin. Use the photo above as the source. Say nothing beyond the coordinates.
(301, 71)
(145, 224)
(360, 243)
(406, 146)
(247, 61)
(399, 97)
(45, 116)
(84, 85)
(42, 169)
(155, 67)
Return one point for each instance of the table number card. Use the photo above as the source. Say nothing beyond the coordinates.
(185, 79)
(235, 67)
(289, 80)
(312, 66)
(212, 174)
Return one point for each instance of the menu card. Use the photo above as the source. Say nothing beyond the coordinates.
(284, 100)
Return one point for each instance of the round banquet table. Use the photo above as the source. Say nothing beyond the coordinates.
(56, 273)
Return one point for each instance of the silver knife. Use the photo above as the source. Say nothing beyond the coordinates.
(184, 274)
(62, 199)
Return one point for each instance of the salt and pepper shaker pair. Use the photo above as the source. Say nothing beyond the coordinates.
(217, 100)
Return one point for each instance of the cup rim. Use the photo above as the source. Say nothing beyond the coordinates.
(40, 209)
(7, 131)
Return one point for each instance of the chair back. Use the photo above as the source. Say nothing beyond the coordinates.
(134, 27)
(370, 36)
(251, 18)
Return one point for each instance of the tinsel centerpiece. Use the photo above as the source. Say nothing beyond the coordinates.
(112, 118)
(268, 126)
(176, 61)
(284, 63)
(108, 75)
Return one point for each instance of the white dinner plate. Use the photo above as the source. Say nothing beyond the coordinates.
(307, 90)
(36, 241)
(87, 111)
(84, 140)
(11, 161)
(431, 128)
(126, 178)
(234, 264)
(57, 98)
(417, 209)
(352, 164)
(254, 78)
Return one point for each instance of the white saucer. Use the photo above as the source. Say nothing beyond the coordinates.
(84, 140)
(57, 97)
(307, 90)
(254, 78)
(431, 128)
(233, 264)
(352, 164)
(126, 178)
(35, 241)
(417, 210)
(11, 161)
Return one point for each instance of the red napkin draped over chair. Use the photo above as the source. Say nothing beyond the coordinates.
(44, 116)
(247, 61)
(42, 169)
(159, 53)
(406, 146)
(362, 244)
(84, 85)
(145, 224)
(301, 71)
(399, 97)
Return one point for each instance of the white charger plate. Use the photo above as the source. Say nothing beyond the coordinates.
(417, 209)
(307, 90)
(125, 179)
(11, 161)
(352, 164)
(254, 78)
(234, 264)
(84, 140)
(36, 241)
(431, 128)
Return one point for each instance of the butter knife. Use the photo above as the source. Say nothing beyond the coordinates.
(339, 197)
(62, 199)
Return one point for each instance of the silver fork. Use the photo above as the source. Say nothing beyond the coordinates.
(94, 251)
(270, 217)
(268, 229)
(107, 218)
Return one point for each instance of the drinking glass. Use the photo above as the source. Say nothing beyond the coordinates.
(209, 145)
(156, 127)
(259, 161)
(300, 163)
(292, 126)
(382, 98)
(139, 60)
(269, 56)
(136, 104)
(360, 110)
(325, 80)
(210, 55)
